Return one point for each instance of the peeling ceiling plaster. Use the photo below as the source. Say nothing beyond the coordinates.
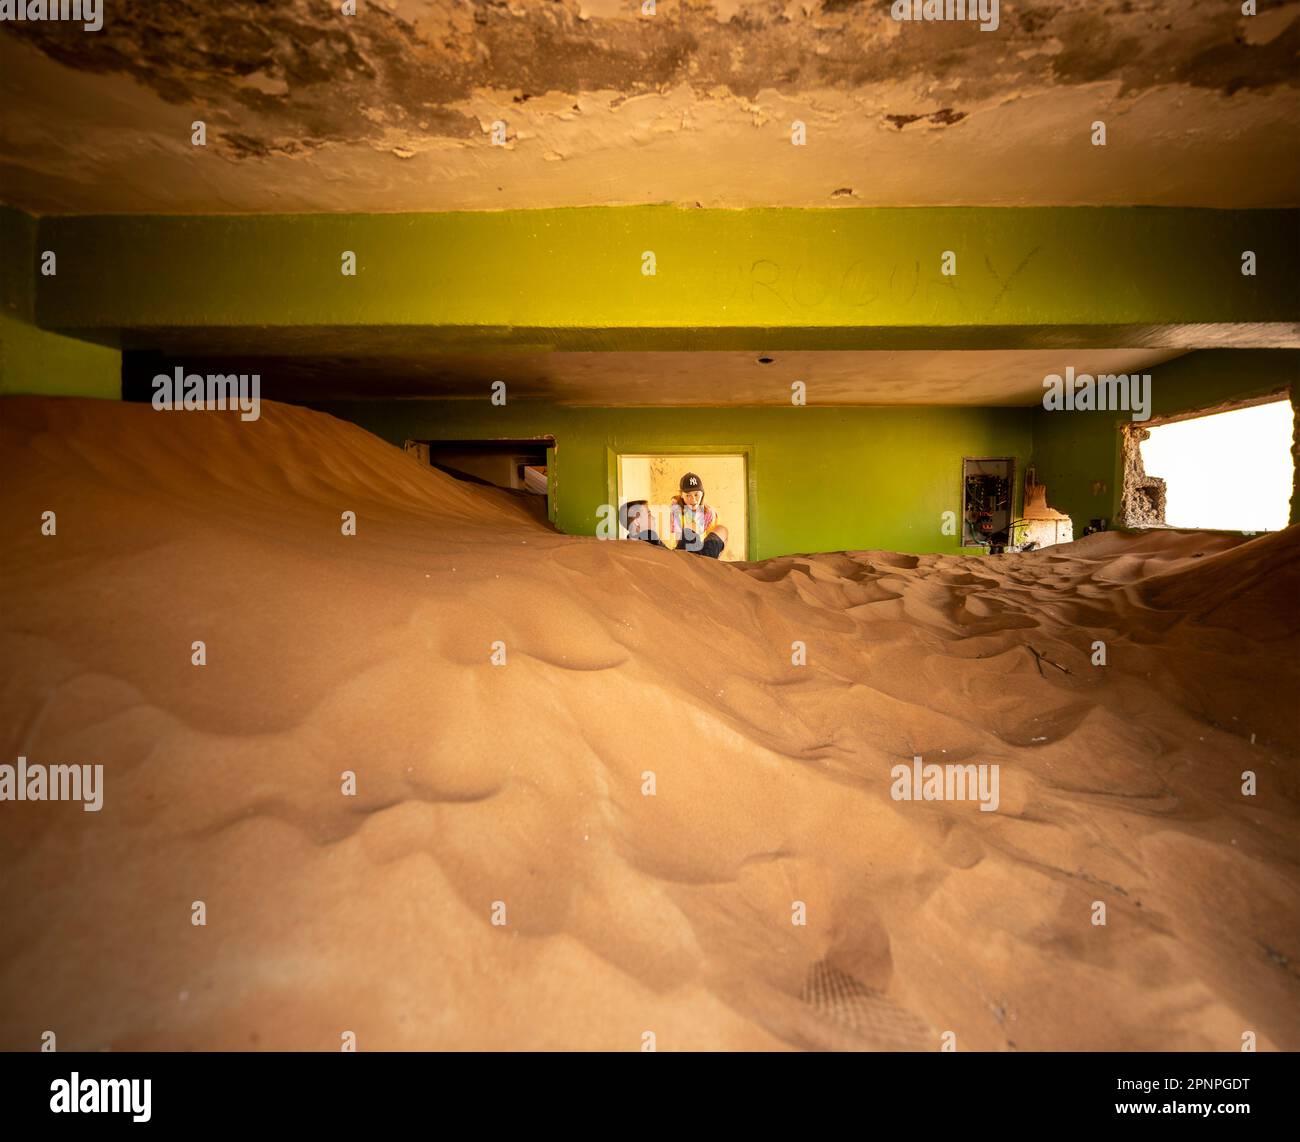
(392, 109)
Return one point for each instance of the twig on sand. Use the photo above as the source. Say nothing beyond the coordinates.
(1039, 659)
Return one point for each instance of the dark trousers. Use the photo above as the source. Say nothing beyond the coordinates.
(711, 548)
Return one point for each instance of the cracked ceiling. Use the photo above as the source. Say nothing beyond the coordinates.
(393, 109)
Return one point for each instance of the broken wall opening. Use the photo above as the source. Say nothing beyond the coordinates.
(1142, 501)
(1228, 468)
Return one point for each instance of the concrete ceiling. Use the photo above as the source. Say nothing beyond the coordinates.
(950, 377)
(392, 109)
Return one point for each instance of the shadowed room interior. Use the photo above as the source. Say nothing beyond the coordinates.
(377, 672)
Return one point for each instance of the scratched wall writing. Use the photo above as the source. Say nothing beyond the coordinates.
(804, 287)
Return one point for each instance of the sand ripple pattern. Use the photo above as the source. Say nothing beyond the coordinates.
(525, 783)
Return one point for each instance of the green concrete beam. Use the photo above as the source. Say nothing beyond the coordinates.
(779, 278)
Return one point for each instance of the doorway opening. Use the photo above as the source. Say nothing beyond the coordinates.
(526, 467)
(1229, 470)
(656, 479)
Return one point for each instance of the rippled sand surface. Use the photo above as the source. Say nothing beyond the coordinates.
(520, 793)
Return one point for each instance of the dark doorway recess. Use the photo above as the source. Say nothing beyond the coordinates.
(523, 466)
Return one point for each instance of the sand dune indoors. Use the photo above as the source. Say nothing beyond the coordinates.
(524, 784)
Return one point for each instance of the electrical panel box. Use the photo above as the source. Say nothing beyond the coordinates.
(988, 490)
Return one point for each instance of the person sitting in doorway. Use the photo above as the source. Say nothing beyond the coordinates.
(693, 524)
(638, 523)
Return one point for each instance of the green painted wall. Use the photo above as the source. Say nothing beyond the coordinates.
(822, 479)
(33, 360)
(776, 278)
(1079, 456)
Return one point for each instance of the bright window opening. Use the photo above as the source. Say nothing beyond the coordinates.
(1229, 471)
